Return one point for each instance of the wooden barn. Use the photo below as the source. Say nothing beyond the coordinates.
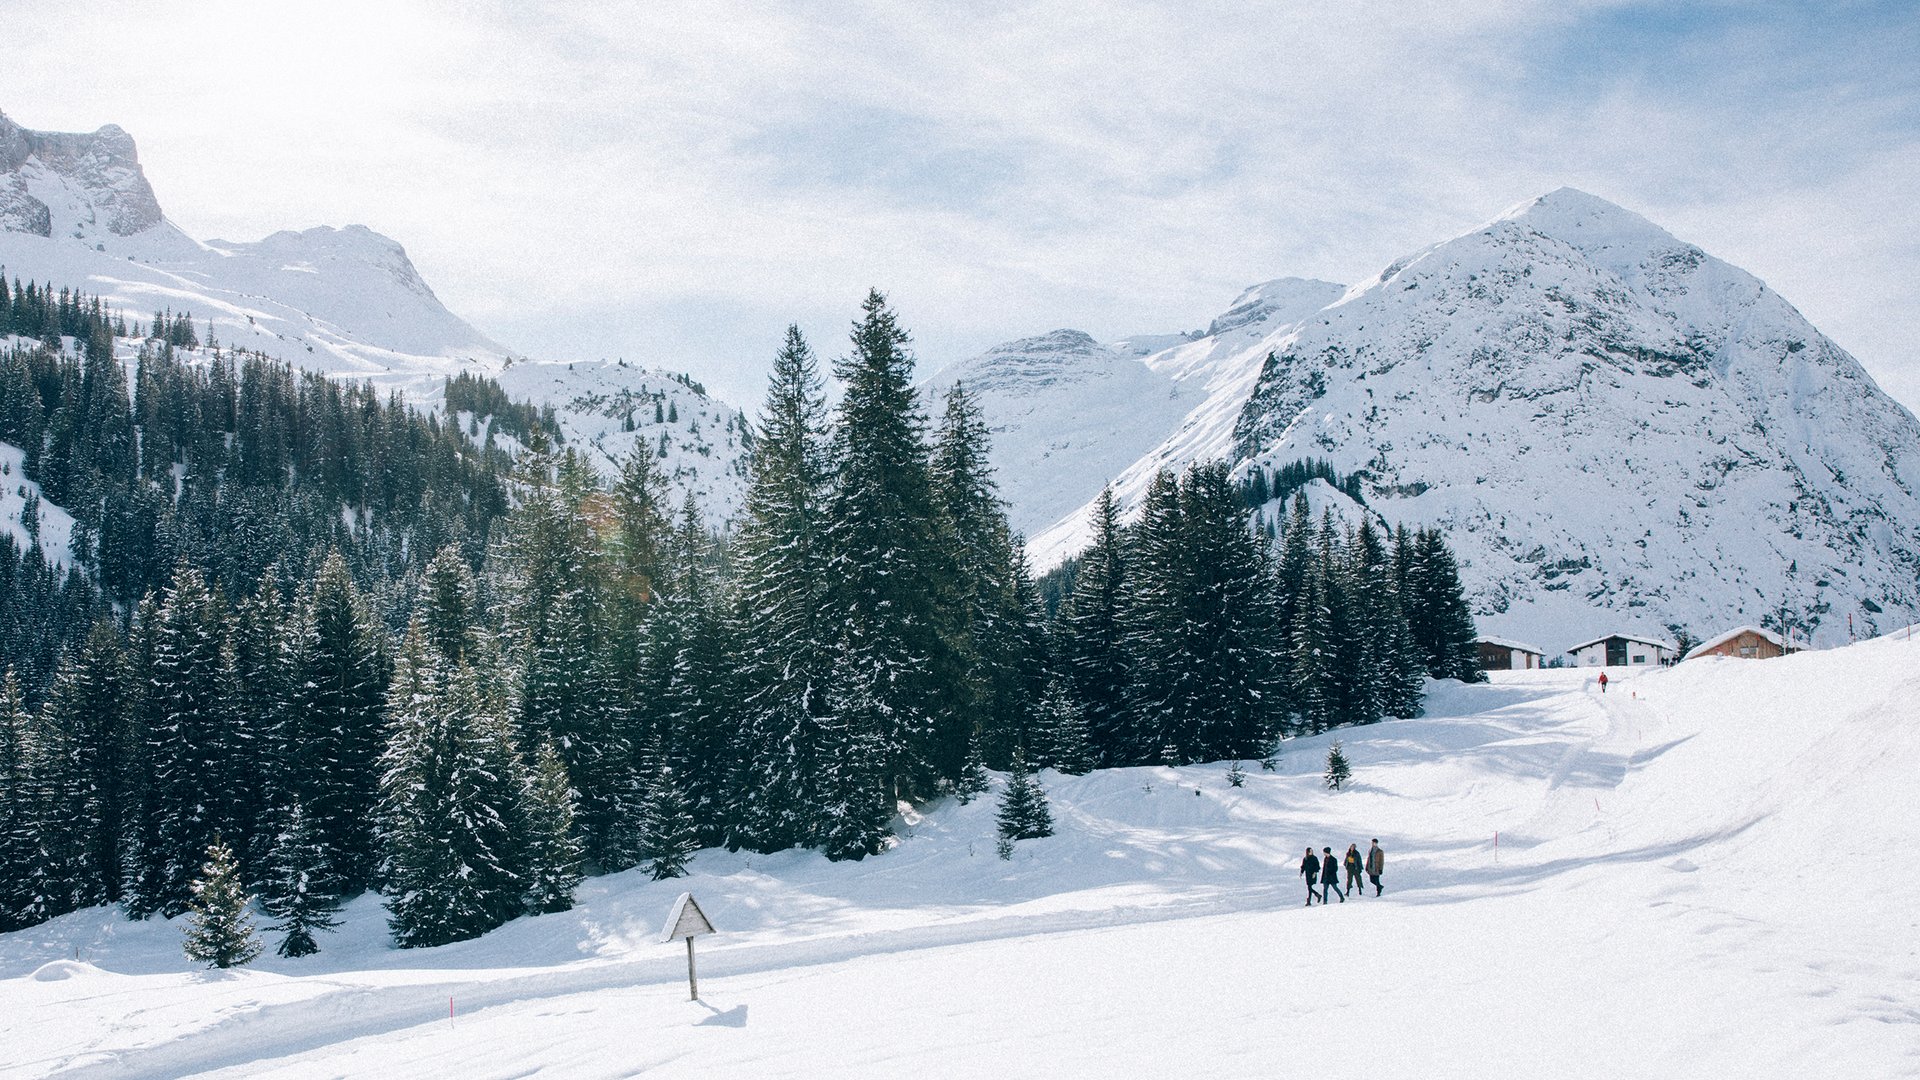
(1747, 642)
(1505, 654)
(1623, 650)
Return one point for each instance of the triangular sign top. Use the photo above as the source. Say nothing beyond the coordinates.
(686, 920)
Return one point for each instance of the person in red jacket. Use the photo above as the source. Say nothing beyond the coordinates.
(1310, 869)
(1603, 682)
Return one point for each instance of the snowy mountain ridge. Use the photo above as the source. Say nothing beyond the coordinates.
(1617, 431)
(76, 210)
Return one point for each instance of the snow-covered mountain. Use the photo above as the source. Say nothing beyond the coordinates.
(1068, 414)
(76, 210)
(1617, 431)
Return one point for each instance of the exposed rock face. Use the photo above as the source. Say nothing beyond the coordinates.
(76, 184)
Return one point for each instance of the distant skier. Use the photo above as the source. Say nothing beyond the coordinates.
(1603, 682)
(1376, 863)
(1310, 869)
(1330, 876)
(1352, 862)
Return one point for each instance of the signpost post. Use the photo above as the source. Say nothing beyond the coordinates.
(686, 920)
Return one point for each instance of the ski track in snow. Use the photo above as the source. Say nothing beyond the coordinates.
(1698, 873)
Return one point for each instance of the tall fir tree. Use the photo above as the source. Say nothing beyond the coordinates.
(1152, 621)
(548, 571)
(17, 841)
(184, 744)
(553, 854)
(1060, 732)
(1092, 649)
(449, 808)
(335, 721)
(888, 566)
(782, 606)
(668, 837)
(295, 891)
(1444, 631)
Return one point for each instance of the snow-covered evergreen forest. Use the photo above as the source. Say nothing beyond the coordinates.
(344, 645)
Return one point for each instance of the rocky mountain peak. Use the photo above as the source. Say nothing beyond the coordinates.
(78, 184)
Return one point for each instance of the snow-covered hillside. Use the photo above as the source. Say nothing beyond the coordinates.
(607, 408)
(1695, 874)
(76, 211)
(1616, 430)
(28, 518)
(1068, 414)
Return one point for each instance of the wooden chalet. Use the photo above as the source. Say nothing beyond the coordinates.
(1505, 654)
(1745, 642)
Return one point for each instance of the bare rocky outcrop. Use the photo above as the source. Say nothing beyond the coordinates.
(77, 183)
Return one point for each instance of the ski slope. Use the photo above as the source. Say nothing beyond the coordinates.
(1705, 872)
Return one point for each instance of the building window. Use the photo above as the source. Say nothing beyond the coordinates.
(1639, 659)
(1750, 651)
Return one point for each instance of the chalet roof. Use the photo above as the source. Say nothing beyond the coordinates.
(1705, 646)
(1508, 643)
(1655, 642)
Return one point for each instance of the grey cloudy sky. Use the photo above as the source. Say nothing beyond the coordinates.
(675, 182)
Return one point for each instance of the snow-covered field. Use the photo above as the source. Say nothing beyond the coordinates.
(1707, 872)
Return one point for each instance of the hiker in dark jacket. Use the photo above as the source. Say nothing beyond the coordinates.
(1376, 863)
(1352, 862)
(1330, 876)
(1310, 869)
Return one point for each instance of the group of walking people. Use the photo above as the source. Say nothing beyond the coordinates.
(1323, 871)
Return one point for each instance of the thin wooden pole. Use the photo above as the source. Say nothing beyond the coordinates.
(693, 985)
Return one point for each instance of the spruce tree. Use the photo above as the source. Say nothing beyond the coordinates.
(1060, 732)
(185, 743)
(691, 682)
(66, 806)
(449, 803)
(1153, 622)
(857, 806)
(668, 841)
(1311, 671)
(888, 567)
(1091, 647)
(335, 719)
(993, 610)
(973, 780)
(220, 933)
(294, 890)
(1339, 770)
(17, 841)
(553, 854)
(1024, 814)
(782, 606)
(548, 571)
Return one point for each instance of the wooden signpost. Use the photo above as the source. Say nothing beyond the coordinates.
(686, 920)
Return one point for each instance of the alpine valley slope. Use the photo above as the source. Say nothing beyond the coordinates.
(77, 211)
(1686, 876)
(1617, 431)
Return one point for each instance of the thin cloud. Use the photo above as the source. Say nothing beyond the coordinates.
(675, 182)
